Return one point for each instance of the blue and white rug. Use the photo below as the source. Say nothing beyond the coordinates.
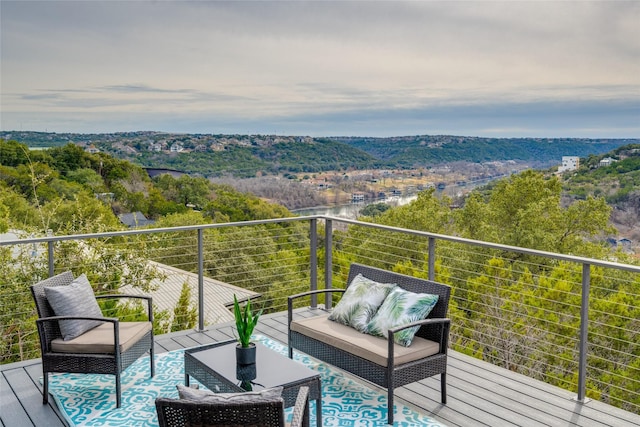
(89, 400)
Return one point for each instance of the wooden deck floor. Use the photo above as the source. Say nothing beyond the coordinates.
(479, 394)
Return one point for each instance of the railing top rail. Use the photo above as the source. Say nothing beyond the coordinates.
(479, 243)
(517, 249)
(150, 231)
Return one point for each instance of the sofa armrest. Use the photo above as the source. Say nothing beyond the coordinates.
(444, 334)
(420, 323)
(291, 299)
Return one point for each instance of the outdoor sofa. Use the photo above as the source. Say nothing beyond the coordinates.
(379, 360)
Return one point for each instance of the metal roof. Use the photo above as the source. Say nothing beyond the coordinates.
(218, 296)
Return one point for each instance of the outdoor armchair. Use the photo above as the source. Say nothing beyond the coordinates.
(108, 347)
(185, 412)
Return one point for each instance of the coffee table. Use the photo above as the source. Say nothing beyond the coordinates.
(214, 365)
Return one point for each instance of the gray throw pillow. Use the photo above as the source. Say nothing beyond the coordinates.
(74, 299)
(207, 396)
(360, 302)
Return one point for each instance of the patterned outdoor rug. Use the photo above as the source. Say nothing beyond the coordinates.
(89, 400)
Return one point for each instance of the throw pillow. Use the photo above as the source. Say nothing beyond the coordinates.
(74, 299)
(400, 308)
(207, 396)
(360, 302)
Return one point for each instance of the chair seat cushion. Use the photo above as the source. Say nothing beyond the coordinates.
(368, 347)
(100, 339)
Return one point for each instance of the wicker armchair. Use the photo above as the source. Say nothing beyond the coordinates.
(184, 412)
(107, 349)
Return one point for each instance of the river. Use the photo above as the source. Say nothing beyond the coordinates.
(351, 210)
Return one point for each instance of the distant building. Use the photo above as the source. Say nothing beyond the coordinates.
(92, 149)
(176, 148)
(607, 161)
(569, 163)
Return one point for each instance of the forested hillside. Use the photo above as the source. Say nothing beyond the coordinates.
(245, 156)
(69, 190)
(615, 176)
(409, 151)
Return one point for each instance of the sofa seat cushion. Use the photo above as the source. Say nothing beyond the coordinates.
(369, 347)
(100, 339)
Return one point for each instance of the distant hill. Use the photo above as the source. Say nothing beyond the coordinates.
(409, 151)
(254, 155)
(614, 175)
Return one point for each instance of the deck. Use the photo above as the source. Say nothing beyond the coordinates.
(479, 394)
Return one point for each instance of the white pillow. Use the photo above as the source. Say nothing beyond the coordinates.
(74, 299)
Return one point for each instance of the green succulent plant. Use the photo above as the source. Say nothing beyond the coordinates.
(246, 321)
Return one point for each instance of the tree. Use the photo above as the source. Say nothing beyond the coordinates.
(185, 314)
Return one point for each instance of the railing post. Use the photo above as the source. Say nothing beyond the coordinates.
(584, 329)
(313, 276)
(328, 262)
(432, 258)
(50, 257)
(200, 281)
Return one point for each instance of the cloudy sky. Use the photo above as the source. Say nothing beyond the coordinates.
(323, 68)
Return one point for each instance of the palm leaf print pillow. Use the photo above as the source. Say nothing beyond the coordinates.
(401, 307)
(360, 302)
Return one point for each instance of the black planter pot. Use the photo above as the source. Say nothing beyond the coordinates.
(246, 374)
(246, 355)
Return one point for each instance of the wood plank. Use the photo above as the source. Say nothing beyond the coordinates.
(35, 373)
(531, 395)
(11, 410)
(185, 341)
(31, 399)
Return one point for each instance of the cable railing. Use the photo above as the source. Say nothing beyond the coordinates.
(569, 321)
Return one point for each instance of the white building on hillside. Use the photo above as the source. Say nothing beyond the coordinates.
(569, 163)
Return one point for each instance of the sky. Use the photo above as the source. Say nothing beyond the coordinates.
(322, 68)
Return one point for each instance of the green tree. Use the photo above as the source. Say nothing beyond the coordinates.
(185, 314)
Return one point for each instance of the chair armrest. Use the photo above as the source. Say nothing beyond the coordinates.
(301, 409)
(143, 297)
(58, 318)
(291, 298)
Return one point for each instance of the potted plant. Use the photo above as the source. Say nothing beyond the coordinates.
(246, 321)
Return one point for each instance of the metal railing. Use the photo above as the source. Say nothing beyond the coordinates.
(570, 321)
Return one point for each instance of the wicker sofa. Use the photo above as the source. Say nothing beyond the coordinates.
(379, 360)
